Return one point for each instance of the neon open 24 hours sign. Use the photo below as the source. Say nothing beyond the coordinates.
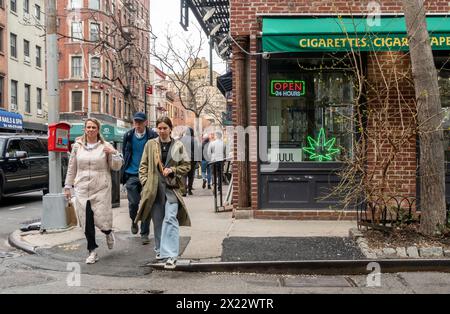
(287, 88)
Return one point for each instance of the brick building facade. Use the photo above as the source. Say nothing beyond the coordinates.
(3, 57)
(117, 82)
(278, 195)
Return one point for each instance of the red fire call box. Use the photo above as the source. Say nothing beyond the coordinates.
(58, 137)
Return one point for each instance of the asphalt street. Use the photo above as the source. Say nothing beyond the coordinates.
(15, 210)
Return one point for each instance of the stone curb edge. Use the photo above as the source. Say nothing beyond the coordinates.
(314, 267)
(15, 240)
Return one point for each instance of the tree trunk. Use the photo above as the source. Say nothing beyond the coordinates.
(432, 182)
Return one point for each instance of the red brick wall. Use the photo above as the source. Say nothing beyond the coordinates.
(245, 22)
(401, 174)
(4, 55)
(67, 48)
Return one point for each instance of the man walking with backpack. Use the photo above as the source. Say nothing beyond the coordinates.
(133, 147)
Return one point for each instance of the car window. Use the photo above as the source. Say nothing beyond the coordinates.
(32, 147)
(13, 147)
(2, 146)
(44, 143)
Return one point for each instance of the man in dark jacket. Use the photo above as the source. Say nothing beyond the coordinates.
(133, 147)
(193, 151)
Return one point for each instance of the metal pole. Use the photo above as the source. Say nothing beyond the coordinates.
(211, 61)
(89, 88)
(54, 215)
(145, 98)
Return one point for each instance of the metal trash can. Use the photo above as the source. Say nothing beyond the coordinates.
(115, 189)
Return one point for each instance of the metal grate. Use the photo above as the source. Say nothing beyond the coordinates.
(214, 18)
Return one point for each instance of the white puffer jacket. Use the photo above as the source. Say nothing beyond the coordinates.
(89, 174)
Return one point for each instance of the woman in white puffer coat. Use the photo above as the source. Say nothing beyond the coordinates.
(89, 174)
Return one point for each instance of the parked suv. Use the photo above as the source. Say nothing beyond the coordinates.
(24, 164)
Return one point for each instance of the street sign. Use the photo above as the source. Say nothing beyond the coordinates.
(149, 90)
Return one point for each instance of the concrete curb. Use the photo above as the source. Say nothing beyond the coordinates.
(16, 241)
(316, 267)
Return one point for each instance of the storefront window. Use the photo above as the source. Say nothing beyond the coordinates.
(444, 90)
(312, 108)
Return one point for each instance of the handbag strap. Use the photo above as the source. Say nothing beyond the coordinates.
(158, 158)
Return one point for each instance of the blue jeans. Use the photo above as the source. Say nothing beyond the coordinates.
(134, 189)
(167, 230)
(206, 171)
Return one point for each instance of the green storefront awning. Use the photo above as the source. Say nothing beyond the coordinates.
(113, 133)
(76, 130)
(109, 132)
(346, 33)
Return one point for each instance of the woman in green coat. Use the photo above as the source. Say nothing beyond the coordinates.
(163, 164)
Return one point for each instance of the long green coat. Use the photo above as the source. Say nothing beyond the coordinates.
(178, 161)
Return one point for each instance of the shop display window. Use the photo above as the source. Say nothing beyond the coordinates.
(312, 104)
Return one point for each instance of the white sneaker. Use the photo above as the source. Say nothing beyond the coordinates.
(92, 258)
(170, 263)
(110, 239)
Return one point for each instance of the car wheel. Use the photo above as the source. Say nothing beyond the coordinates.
(45, 191)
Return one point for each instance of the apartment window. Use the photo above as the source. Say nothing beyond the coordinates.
(38, 57)
(94, 33)
(13, 45)
(106, 103)
(1, 39)
(95, 67)
(13, 94)
(120, 109)
(13, 5)
(27, 98)
(76, 66)
(26, 6)
(2, 86)
(77, 100)
(76, 4)
(107, 69)
(96, 102)
(37, 12)
(107, 33)
(26, 50)
(77, 32)
(39, 98)
(114, 106)
(94, 4)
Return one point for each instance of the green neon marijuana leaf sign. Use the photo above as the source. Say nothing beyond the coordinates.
(321, 149)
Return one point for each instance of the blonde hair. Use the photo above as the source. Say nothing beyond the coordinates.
(97, 123)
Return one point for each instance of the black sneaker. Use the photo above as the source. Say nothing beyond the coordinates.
(209, 187)
(157, 262)
(204, 184)
(145, 239)
(134, 228)
(190, 192)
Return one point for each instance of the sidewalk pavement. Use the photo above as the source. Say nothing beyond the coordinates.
(209, 233)
(218, 242)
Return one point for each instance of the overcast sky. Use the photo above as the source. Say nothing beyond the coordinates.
(167, 12)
